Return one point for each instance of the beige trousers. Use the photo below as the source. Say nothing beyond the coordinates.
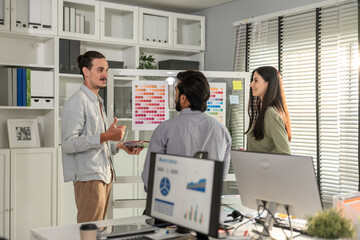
(92, 199)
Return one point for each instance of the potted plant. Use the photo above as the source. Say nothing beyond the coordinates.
(146, 61)
(330, 224)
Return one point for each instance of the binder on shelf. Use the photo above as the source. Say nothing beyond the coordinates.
(35, 13)
(14, 87)
(64, 52)
(82, 24)
(153, 28)
(46, 19)
(28, 87)
(24, 87)
(162, 29)
(66, 19)
(22, 14)
(47, 84)
(19, 87)
(72, 19)
(36, 82)
(78, 23)
(147, 27)
(2, 10)
(73, 54)
(6, 88)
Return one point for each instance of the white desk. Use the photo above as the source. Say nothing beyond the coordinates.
(276, 233)
(71, 232)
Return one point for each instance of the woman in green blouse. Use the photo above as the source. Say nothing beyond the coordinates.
(269, 126)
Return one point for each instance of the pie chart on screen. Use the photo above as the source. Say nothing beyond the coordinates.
(165, 186)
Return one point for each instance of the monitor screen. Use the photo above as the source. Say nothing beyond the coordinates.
(280, 179)
(185, 191)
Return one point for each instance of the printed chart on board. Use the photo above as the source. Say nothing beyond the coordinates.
(216, 105)
(149, 104)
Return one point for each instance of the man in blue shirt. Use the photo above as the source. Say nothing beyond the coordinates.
(193, 130)
(86, 138)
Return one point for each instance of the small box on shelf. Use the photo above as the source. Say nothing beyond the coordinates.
(115, 64)
(42, 102)
(174, 64)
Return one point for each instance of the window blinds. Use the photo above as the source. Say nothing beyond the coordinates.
(299, 80)
(336, 72)
(338, 99)
(263, 44)
(240, 49)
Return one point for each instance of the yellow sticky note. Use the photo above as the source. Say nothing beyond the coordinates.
(237, 85)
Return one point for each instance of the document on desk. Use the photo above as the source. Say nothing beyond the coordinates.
(122, 230)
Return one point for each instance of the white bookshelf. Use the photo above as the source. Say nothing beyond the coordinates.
(115, 30)
(43, 13)
(89, 10)
(119, 23)
(189, 32)
(5, 16)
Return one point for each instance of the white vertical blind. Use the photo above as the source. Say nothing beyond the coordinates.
(238, 111)
(240, 48)
(263, 44)
(338, 97)
(299, 79)
(338, 88)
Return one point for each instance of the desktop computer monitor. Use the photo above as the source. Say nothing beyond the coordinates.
(279, 180)
(185, 191)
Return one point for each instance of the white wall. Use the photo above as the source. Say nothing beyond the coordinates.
(220, 31)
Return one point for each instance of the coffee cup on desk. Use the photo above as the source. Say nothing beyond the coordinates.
(88, 231)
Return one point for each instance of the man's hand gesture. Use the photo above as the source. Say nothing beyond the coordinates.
(114, 133)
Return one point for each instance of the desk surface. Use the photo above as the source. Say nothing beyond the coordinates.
(72, 231)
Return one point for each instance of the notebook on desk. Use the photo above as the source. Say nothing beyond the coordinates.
(123, 230)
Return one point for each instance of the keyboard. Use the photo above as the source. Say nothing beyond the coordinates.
(298, 225)
(136, 237)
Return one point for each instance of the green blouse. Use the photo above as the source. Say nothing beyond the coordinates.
(275, 138)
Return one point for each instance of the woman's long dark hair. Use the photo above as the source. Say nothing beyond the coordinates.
(273, 97)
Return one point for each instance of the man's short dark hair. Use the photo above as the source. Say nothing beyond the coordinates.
(85, 60)
(195, 87)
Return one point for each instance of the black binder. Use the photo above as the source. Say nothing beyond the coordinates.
(64, 64)
(74, 53)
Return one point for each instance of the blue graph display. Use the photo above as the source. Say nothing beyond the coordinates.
(165, 186)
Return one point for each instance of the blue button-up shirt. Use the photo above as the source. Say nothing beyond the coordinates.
(84, 158)
(188, 133)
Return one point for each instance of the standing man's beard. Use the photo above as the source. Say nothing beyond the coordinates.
(177, 104)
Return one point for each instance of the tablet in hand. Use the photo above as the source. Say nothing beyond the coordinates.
(132, 144)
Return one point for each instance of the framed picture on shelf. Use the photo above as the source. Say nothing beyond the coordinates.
(23, 133)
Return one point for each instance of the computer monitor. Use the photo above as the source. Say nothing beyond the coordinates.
(185, 191)
(279, 180)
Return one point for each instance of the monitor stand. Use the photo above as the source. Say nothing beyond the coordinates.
(269, 221)
(180, 229)
(201, 236)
